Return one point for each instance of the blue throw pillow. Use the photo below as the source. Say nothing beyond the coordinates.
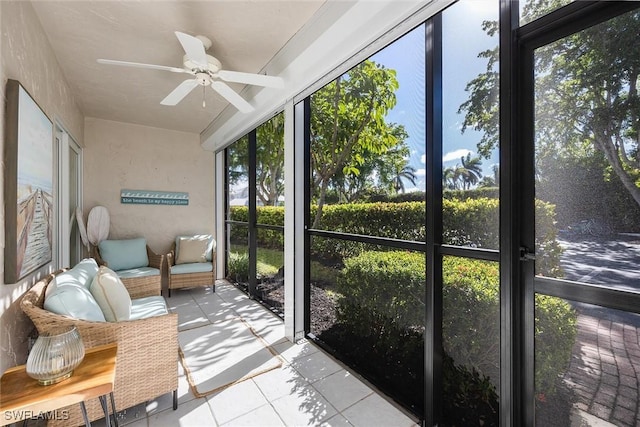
(74, 300)
(81, 274)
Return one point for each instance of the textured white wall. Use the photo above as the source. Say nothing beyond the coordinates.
(26, 56)
(127, 156)
(116, 156)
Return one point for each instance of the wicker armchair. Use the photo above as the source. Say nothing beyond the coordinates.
(141, 285)
(147, 358)
(203, 274)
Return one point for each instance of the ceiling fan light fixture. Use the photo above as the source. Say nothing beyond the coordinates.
(203, 79)
(207, 71)
(213, 64)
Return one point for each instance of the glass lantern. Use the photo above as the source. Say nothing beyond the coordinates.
(54, 356)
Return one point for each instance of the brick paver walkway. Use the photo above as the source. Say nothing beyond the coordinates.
(605, 371)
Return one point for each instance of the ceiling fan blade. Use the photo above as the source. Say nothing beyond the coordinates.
(252, 79)
(194, 49)
(139, 65)
(180, 92)
(239, 102)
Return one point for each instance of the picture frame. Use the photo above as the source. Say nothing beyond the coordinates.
(28, 189)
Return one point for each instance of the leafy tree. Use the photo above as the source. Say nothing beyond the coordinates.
(587, 96)
(238, 161)
(348, 123)
(347, 188)
(377, 173)
(269, 160)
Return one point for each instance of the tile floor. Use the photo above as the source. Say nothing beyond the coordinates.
(310, 389)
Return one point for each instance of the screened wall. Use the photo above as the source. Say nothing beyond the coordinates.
(467, 210)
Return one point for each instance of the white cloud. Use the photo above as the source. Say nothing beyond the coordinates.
(455, 155)
(421, 172)
(423, 159)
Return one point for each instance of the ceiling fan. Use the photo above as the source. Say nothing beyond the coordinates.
(207, 71)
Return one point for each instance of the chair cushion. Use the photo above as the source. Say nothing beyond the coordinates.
(211, 244)
(81, 274)
(124, 254)
(138, 272)
(142, 308)
(111, 295)
(196, 267)
(192, 250)
(74, 300)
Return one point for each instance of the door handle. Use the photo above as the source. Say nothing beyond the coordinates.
(527, 254)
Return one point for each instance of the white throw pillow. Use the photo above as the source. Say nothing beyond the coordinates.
(111, 295)
(192, 250)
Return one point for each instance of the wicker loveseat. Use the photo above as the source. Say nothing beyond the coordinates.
(147, 357)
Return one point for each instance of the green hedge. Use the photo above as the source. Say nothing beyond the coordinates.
(548, 250)
(471, 314)
(390, 283)
(471, 222)
(476, 193)
(420, 196)
(269, 215)
(383, 291)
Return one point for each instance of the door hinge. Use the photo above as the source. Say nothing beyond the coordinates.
(527, 254)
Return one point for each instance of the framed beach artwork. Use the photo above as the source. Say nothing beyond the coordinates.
(28, 185)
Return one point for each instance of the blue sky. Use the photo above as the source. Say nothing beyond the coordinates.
(35, 152)
(463, 39)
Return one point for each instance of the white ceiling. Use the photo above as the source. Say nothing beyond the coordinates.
(246, 35)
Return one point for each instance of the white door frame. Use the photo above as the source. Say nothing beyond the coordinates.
(65, 217)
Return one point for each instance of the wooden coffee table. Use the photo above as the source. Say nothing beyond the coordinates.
(22, 397)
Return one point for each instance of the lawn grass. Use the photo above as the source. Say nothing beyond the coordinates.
(271, 260)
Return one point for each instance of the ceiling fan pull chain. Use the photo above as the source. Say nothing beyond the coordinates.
(203, 101)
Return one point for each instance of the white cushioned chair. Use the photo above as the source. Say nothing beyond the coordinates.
(191, 262)
(139, 267)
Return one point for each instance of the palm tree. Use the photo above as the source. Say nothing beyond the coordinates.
(407, 172)
(450, 178)
(470, 170)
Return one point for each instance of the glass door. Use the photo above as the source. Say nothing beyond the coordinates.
(584, 281)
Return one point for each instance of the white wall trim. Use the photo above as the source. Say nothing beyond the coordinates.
(221, 243)
(347, 36)
(297, 187)
(289, 218)
(65, 143)
(61, 210)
